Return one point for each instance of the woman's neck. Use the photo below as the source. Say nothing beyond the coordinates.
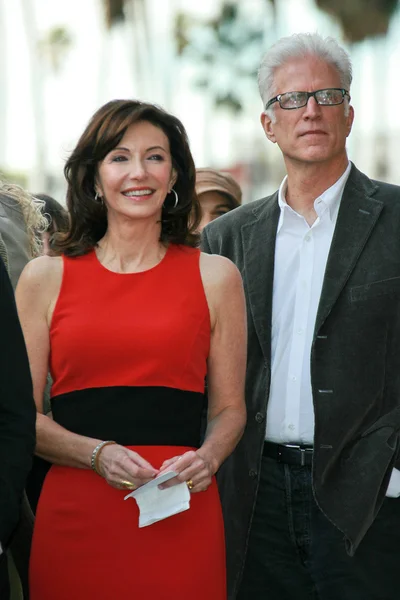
(130, 247)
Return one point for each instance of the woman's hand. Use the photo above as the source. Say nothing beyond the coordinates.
(191, 467)
(118, 464)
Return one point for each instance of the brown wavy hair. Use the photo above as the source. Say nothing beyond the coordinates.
(104, 132)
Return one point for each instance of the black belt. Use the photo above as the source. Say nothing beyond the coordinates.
(289, 454)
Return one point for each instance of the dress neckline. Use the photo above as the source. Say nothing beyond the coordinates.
(135, 273)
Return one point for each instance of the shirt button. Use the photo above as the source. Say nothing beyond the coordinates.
(308, 238)
(259, 417)
(300, 331)
(291, 427)
(293, 378)
(252, 473)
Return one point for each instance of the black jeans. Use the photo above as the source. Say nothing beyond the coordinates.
(4, 580)
(295, 553)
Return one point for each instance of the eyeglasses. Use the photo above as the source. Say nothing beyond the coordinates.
(292, 100)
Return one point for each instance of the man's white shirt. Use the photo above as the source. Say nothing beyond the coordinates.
(301, 254)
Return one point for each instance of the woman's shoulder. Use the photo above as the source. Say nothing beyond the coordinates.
(223, 286)
(218, 265)
(43, 266)
(41, 271)
(219, 271)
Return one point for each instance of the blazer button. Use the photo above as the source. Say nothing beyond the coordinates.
(259, 417)
(252, 473)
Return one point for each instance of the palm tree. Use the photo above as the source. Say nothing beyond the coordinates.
(133, 15)
(226, 49)
(37, 95)
(3, 86)
(360, 19)
(52, 49)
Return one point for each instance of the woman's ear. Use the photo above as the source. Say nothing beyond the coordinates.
(97, 185)
(173, 179)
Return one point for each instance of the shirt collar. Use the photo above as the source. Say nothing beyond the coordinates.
(328, 200)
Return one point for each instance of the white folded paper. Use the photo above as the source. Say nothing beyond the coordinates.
(155, 504)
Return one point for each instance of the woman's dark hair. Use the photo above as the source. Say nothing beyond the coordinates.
(104, 132)
(59, 220)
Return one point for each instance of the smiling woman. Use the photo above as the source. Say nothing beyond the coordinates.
(130, 319)
(113, 136)
(136, 176)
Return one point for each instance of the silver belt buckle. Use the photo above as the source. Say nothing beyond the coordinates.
(302, 452)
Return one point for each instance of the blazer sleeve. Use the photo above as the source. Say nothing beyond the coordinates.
(205, 244)
(17, 411)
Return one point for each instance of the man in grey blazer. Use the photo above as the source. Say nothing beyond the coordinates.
(310, 495)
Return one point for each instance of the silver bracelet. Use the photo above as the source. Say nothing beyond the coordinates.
(95, 455)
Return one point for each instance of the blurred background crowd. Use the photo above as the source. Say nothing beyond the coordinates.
(59, 61)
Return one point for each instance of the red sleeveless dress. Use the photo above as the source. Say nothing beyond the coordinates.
(128, 361)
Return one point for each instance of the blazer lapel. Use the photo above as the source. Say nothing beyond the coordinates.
(358, 214)
(258, 238)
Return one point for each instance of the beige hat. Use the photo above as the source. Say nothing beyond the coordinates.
(210, 180)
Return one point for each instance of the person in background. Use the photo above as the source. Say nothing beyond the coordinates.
(311, 495)
(58, 221)
(131, 317)
(17, 423)
(21, 224)
(218, 193)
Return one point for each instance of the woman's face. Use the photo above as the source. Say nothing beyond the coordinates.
(135, 177)
(213, 205)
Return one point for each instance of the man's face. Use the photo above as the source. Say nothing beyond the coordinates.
(313, 133)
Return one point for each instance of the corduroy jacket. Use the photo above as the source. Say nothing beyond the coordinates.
(355, 355)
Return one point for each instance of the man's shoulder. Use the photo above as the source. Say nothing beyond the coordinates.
(232, 221)
(388, 193)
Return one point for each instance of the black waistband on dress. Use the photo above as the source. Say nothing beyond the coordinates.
(158, 416)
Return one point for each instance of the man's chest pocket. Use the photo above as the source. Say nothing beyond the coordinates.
(383, 292)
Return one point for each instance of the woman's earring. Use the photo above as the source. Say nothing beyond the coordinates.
(176, 197)
(98, 198)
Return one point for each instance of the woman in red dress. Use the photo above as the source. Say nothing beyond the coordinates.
(130, 319)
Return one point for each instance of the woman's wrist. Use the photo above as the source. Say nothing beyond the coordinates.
(208, 457)
(94, 461)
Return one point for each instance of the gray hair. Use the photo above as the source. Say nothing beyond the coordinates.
(301, 45)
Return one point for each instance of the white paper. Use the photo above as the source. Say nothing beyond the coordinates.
(155, 504)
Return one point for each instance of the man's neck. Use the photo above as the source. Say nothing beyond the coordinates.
(305, 183)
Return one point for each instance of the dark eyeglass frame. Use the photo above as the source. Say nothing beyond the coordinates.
(308, 96)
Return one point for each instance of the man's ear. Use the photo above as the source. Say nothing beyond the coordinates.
(350, 119)
(268, 127)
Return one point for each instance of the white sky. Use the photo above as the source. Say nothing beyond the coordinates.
(97, 68)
